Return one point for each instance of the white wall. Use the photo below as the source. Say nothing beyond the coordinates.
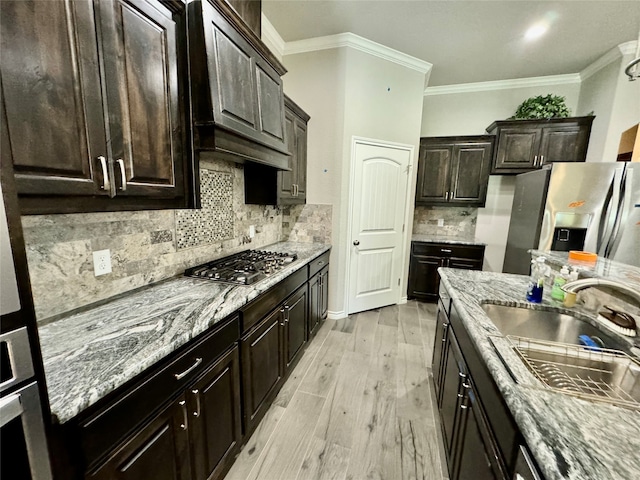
(348, 92)
(470, 113)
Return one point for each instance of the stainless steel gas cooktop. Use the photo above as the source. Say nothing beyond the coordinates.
(243, 268)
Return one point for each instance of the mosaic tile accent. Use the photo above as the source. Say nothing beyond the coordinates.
(458, 221)
(214, 221)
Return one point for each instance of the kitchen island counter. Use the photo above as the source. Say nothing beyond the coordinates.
(570, 438)
(89, 354)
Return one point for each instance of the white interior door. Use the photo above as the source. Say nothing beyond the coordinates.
(379, 197)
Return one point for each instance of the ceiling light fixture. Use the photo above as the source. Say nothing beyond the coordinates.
(536, 31)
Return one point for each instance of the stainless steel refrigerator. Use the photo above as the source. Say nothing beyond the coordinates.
(593, 207)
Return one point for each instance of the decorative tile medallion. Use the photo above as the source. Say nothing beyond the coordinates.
(214, 221)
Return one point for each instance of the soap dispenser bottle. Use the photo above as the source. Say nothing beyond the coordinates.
(536, 284)
(558, 282)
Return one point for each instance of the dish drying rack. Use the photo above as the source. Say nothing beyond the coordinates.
(600, 375)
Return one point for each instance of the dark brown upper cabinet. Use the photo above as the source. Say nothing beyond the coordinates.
(525, 145)
(268, 186)
(91, 104)
(237, 96)
(454, 170)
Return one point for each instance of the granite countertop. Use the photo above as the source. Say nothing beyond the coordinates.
(570, 438)
(89, 354)
(462, 240)
(603, 268)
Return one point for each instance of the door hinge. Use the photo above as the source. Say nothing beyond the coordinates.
(403, 227)
(398, 282)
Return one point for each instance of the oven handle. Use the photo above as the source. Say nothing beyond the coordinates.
(10, 408)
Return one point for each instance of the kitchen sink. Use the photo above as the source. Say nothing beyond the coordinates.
(546, 325)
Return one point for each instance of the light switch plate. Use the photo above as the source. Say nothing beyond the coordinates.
(252, 231)
(441, 222)
(101, 262)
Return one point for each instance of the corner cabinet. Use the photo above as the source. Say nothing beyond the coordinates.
(237, 96)
(426, 258)
(526, 145)
(92, 97)
(454, 170)
(264, 185)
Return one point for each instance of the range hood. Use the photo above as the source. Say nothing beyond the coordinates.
(236, 89)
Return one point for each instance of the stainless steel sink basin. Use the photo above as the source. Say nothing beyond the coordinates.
(544, 325)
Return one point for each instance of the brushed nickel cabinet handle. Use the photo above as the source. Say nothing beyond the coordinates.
(535, 160)
(183, 404)
(196, 392)
(106, 184)
(541, 159)
(446, 196)
(123, 175)
(445, 250)
(180, 376)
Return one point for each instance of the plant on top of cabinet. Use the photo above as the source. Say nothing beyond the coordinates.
(454, 171)
(91, 102)
(542, 106)
(526, 145)
(237, 96)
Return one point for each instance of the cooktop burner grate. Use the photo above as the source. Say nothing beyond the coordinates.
(243, 268)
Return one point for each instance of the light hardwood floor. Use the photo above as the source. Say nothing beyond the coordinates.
(359, 405)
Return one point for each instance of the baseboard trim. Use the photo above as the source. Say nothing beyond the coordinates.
(336, 315)
(402, 300)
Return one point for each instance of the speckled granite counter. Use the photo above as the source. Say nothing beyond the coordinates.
(570, 438)
(89, 354)
(603, 268)
(445, 239)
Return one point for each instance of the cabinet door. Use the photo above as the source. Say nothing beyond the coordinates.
(439, 350)
(517, 149)
(476, 457)
(52, 116)
(315, 304)
(141, 71)
(215, 416)
(564, 143)
(324, 293)
(453, 377)
(270, 103)
(301, 161)
(466, 263)
(434, 174)
(295, 324)
(423, 277)
(159, 451)
(286, 179)
(470, 173)
(262, 367)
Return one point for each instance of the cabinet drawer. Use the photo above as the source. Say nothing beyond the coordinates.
(318, 264)
(106, 428)
(261, 306)
(447, 250)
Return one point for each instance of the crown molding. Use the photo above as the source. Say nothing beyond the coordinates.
(628, 48)
(272, 37)
(503, 84)
(358, 43)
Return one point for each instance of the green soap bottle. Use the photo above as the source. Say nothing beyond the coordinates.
(558, 282)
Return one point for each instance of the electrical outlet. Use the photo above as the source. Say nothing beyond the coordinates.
(101, 262)
(252, 231)
(441, 222)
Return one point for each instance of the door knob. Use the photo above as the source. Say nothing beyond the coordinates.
(356, 242)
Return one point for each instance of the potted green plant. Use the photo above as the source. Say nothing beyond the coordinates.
(542, 107)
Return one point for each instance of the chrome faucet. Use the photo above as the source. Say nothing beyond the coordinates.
(571, 288)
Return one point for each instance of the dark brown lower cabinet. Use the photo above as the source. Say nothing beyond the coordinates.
(296, 324)
(215, 418)
(324, 293)
(262, 367)
(318, 299)
(159, 451)
(195, 438)
(427, 257)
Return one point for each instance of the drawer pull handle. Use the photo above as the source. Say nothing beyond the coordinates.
(445, 250)
(180, 376)
(321, 262)
(196, 392)
(106, 184)
(123, 175)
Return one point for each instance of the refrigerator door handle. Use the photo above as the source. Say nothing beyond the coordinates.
(617, 222)
(604, 218)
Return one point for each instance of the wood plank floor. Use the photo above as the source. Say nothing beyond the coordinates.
(359, 405)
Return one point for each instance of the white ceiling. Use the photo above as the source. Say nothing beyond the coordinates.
(470, 41)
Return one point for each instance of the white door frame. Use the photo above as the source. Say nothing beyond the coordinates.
(377, 143)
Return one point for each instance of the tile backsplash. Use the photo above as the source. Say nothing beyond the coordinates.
(457, 221)
(149, 246)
